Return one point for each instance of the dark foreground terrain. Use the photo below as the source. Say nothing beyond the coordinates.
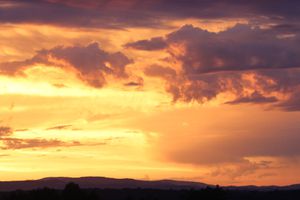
(72, 191)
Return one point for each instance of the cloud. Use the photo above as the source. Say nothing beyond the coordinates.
(233, 148)
(245, 87)
(11, 141)
(242, 47)
(17, 143)
(75, 14)
(256, 65)
(160, 71)
(241, 169)
(239, 48)
(142, 13)
(60, 127)
(90, 63)
(5, 131)
(134, 84)
(8, 142)
(254, 97)
(279, 88)
(153, 44)
(292, 103)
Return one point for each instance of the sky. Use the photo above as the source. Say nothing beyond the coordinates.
(196, 90)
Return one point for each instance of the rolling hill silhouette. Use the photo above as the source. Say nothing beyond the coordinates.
(98, 182)
(113, 183)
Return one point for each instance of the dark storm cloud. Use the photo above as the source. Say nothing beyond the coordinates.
(142, 13)
(91, 63)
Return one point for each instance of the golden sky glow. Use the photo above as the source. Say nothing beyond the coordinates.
(148, 101)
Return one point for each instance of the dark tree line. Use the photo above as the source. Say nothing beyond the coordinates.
(72, 191)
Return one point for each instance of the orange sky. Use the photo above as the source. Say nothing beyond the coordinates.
(105, 101)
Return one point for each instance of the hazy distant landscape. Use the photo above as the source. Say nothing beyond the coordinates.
(59, 183)
(100, 188)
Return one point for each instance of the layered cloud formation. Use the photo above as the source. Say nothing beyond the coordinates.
(143, 13)
(253, 63)
(8, 142)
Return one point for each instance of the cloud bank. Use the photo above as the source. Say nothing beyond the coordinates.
(255, 64)
(144, 13)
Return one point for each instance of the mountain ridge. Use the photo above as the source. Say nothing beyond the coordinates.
(94, 182)
(98, 182)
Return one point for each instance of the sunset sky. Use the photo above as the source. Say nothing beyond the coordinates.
(199, 90)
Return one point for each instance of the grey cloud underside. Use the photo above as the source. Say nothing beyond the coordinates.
(144, 13)
(253, 97)
(214, 63)
(153, 44)
(206, 87)
(91, 63)
(42, 12)
(242, 47)
(239, 48)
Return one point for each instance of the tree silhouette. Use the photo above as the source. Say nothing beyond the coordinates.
(72, 191)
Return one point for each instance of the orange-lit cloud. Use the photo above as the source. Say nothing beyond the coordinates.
(16, 143)
(90, 63)
(5, 131)
(246, 61)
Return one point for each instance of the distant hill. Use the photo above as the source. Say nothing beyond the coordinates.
(264, 188)
(98, 182)
(112, 183)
